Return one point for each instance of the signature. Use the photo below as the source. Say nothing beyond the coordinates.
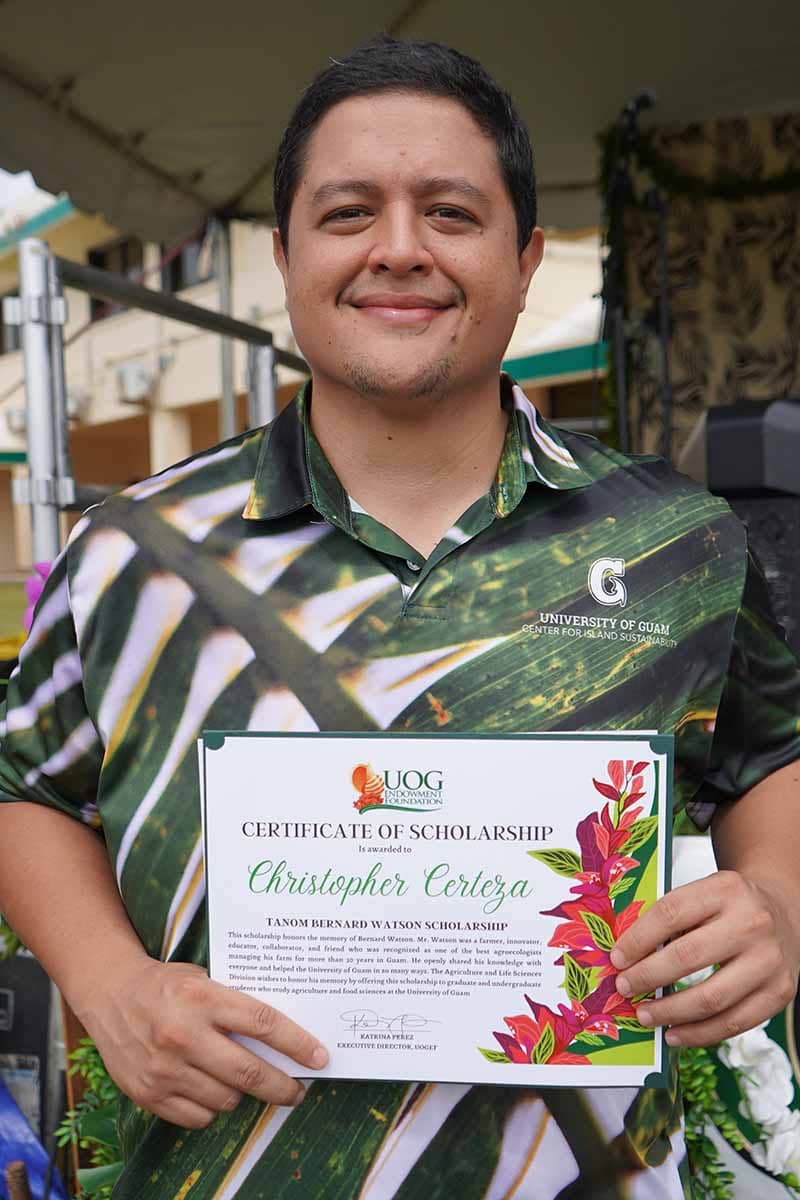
(367, 1018)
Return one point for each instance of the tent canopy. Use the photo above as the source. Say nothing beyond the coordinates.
(155, 114)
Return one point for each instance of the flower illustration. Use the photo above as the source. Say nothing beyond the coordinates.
(593, 918)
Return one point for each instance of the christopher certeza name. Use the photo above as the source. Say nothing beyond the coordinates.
(277, 878)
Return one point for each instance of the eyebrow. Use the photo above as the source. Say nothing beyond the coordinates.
(424, 187)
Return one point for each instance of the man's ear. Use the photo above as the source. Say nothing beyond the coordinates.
(529, 262)
(281, 261)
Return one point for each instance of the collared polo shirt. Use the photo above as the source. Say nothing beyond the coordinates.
(244, 589)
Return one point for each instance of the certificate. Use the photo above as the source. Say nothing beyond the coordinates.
(441, 907)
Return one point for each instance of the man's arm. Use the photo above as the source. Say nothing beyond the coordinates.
(745, 918)
(161, 1028)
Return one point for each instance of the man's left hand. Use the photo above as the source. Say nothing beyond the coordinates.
(728, 919)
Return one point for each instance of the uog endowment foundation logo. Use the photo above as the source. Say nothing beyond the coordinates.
(410, 790)
(605, 581)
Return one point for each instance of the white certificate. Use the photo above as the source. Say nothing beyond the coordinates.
(442, 907)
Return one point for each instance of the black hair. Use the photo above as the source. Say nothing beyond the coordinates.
(385, 64)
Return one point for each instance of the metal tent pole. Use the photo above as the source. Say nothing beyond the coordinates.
(227, 404)
(37, 313)
(65, 484)
(262, 387)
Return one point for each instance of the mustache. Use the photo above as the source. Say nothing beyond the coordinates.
(353, 294)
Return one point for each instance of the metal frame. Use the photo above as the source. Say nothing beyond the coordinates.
(41, 313)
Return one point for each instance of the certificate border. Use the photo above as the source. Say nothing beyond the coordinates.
(660, 743)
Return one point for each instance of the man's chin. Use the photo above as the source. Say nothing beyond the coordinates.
(388, 381)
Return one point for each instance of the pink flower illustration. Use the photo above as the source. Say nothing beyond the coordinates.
(589, 929)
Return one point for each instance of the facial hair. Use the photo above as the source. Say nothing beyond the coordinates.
(369, 379)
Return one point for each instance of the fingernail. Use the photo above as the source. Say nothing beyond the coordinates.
(673, 1039)
(622, 986)
(320, 1057)
(644, 1017)
(300, 1094)
(617, 959)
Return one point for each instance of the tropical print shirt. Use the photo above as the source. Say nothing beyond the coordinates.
(244, 589)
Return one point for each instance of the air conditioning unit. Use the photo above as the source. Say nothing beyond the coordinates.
(134, 382)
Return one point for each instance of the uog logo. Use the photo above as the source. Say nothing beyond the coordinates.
(409, 789)
(605, 581)
(371, 787)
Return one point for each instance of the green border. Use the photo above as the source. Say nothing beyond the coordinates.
(573, 360)
(13, 456)
(56, 213)
(660, 743)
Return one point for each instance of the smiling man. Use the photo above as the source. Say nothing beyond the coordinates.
(397, 551)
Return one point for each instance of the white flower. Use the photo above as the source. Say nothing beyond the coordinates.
(692, 858)
(779, 1153)
(764, 1073)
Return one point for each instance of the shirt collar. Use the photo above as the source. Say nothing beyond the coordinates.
(293, 472)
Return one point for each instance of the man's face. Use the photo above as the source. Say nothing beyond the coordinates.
(402, 275)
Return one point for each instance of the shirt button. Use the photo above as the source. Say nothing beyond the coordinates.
(412, 566)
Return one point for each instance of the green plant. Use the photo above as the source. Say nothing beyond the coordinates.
(92, 1124)
(702, 1106)
(9, 942)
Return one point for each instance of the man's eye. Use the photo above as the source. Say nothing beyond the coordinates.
(347, 214)
(452, 214)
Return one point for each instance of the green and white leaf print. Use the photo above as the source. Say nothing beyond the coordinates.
(242, 590)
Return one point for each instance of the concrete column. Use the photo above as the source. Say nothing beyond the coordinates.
(23, 548)
(170, 433)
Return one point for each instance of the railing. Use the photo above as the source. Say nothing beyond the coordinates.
(40, 311)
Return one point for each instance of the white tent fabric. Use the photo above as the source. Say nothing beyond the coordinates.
(155, 114)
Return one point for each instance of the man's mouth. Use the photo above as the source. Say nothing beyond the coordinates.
(401, 308)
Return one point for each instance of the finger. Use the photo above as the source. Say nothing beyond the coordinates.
(237, 1068)
(724, 989)
(704, 947)
(205, 1090)
(243, 1014)
(684, 908)
(186, 1113)
(741, 1017)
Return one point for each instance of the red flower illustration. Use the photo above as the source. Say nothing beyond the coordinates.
(589, 929)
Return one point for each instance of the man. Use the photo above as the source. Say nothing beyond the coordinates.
(379, 559)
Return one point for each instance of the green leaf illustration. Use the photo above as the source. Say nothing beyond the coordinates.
(599, 929)
(543, 1050)
(495, 1056)
(632, 1024)
(576, 979)
(591, 1039)
(621, 886)
(563, 862)
(640, 832)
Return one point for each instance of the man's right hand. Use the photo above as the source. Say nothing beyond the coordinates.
(161, 1029)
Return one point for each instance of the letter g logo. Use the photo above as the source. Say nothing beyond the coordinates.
(605, 581)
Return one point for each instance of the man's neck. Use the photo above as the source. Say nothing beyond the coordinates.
(417, 466)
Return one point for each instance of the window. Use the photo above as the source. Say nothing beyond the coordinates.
(192, 264)
(10, 335)
(124, 257)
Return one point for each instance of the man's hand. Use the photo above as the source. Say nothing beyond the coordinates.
(727, 918)
(161, 1030)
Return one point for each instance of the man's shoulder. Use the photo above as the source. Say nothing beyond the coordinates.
(207, 471)
(185, 501)
(648, 477)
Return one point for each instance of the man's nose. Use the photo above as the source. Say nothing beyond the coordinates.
(399, 245)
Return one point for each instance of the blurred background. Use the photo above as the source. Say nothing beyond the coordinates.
(138, 141)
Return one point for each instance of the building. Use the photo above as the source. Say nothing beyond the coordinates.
(143, 391)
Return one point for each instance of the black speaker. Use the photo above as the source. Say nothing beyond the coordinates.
(749, 453)
(773, 525)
